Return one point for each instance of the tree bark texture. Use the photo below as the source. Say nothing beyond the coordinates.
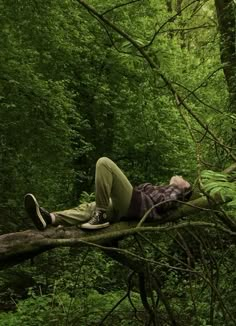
(225, 10)
(19, 246)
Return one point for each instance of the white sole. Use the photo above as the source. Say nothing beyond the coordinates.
(32, 208)
(88, 226)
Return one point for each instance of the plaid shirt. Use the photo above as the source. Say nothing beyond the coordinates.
(147, 195)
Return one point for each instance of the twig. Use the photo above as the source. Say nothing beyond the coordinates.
(119, 6)
(154, 66)
(129, 297)
(204, 82)
(169, 201)
(192, 92)
(112, 309)
(211, 139)
(163, 253)
(212, 285)
(75, 284)
(143, 296)
(110, 37)
(164, 300)
(197, 8)
(171, 19)
(148, 275)
(145, 260)
(172, 30)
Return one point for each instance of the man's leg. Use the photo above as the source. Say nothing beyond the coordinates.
(76, 215)
(113, 195)
(42, 218)
(110, 182)
(79, 214)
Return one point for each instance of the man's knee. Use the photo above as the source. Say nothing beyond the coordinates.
(103, 161)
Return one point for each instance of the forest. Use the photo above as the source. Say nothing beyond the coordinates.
(151, 85)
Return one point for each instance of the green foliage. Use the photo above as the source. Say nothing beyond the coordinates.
(220, 183)
(72, 91)
(86, 197)
(71, 289)
(59, 309)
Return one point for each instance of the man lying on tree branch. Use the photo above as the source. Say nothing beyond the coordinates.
(115, 199)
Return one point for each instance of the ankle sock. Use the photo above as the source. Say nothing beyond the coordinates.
(53, 218)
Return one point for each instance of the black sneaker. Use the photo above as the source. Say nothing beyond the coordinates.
(98, 221)
(40, 216)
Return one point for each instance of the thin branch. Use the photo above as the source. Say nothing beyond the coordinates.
(139, 258)
(129, 297)
(111, 39)
(132, 255)
(197, 8)
(147, 275)
(212, 285)
(230, 169)
(162, 252)
(112, 309)
(143, 219)
(186, 249)
(204, 82)
(164, 300)
(172, 30)
(143, 296)
(214, 277)
(149, 261)
(154, 66)
(192, 92)
(74, 288)
(204, 134)
(190, 130)
(205, 127)
(119, 6)
(169, 20)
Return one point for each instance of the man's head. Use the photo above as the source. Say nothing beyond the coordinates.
(180, 182)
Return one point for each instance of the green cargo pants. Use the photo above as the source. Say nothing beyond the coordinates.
(113, 193)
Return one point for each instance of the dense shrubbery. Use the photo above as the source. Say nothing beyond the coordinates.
(71, 289)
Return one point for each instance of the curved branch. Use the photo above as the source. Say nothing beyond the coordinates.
(169, 20)
(113, 308)
(17, 247)
(154, 66)
(192, 92)
(119, 6)
(143, 296)
(204, 82)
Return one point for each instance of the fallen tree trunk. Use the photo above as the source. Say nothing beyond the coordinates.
(19, 246)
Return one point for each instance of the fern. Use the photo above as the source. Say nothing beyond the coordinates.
(224, 184)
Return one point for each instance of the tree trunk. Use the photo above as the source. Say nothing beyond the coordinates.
(19, 246)
(225, 10)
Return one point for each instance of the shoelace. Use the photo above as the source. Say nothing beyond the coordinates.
(43, 210)
(95, 218)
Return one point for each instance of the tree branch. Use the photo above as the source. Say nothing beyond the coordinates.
(119, 6)
(171, 19)
(19, 246)
(154, 66)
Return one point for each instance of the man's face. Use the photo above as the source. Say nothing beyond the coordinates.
(179, 181)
